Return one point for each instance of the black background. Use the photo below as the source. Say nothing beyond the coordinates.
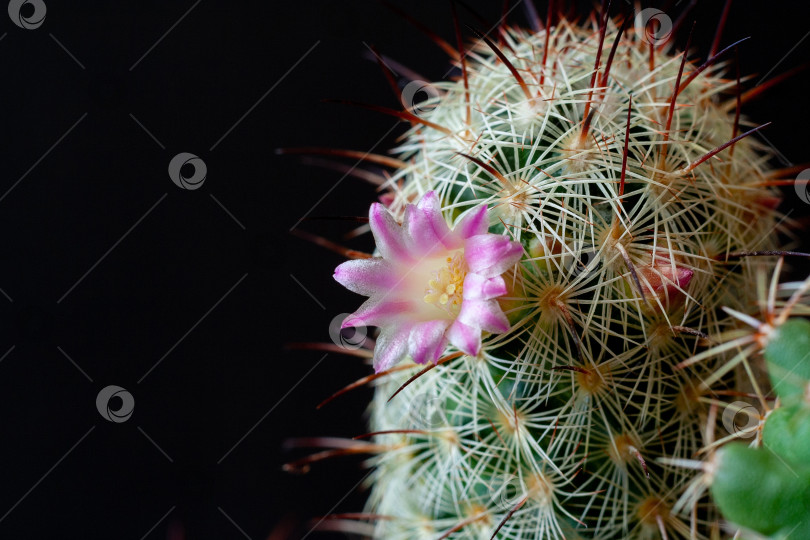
(210, 282)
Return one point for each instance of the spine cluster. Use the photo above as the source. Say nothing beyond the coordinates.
(627, 175)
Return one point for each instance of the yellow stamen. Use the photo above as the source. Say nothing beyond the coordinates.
(446, 287)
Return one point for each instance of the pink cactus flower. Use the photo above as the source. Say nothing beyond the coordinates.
(664, 282)
(432, 284)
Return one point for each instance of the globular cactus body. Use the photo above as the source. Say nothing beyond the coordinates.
(604, 157)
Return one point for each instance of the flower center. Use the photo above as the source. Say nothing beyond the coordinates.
(446, 287)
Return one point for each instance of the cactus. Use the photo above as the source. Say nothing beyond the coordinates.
(766, 487)
(562, 226)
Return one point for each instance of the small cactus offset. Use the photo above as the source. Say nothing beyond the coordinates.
(765, 486)
(563, 224)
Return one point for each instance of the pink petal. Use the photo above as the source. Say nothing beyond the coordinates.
(484, 314)
(387, 198)
(391, 347)
(682, 276)
(465, 338)
(477, 287)
(475, 222)
(366, 276)
(491, 255)
(666, 283)
(659, 278)
(432, 209)
(388, 234)
(426, 341)
(378, 311)
(422, 236)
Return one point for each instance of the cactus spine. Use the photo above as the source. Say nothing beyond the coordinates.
(607, 156)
